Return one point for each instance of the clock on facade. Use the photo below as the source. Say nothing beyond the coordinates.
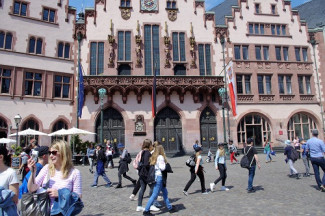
(149, 5)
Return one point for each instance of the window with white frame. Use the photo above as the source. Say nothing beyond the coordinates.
(243, 84)
(264, 84)
(301, 125)
(33, 84)
(284, 82)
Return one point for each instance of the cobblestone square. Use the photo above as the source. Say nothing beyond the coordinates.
(276, 194)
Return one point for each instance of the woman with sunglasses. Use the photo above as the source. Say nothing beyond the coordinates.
(59, 172)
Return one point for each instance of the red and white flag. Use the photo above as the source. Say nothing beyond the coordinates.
(232, 87)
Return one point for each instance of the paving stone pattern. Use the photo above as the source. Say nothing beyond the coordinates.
(276, 194)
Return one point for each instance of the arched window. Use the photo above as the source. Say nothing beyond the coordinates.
(2, 39)
(3, 128)
(60, 50)
(124, 69)
(8, 40)
(32, 124)
(301, 125)
(180, 70)
(39, 46)
(58, 126)
(253, 126)
(32, 45)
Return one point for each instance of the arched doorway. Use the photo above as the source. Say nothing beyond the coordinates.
(168, 130)
(301, 125)
(208, 129)
(32, 124)
(58, 126)
(253, 126)
(3, 128)
(113, 126)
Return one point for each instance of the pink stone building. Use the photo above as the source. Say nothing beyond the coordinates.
(36, 66)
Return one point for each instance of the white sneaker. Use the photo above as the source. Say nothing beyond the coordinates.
(140, 208)
(154, 208)
(132, 197)
(212, 186)
(160, 198)
(223, 188)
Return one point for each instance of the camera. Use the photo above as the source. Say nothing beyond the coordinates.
(35, 155)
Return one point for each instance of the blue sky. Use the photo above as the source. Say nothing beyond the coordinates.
(208, 3)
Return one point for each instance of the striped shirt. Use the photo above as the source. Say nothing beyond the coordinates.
(72, 182)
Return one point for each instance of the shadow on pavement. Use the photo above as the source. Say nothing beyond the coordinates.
(178, 207)
(314, 186)
(258, 188)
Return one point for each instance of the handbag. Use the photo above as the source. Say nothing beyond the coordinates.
(33, 204)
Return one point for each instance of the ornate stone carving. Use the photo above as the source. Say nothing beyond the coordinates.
(141, 84)
(138, 42)
(266, 98)
(208, 17)
(192, 49)
(247, 64)
(299, 65)
(306, 97)
(172, 14)
(125, 13)
(111, 52)
(307, 66)
(267, 65)
(139, 126)
(245, 98)
(260, 65)
(280, 65)
(167, 51)
(238, 64)
(287, 65)
(287, 97)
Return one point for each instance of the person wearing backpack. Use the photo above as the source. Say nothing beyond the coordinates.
(289, 151)
(251, 153)
(316, 148)
(123, 167)
(196, 170)
(220, 164)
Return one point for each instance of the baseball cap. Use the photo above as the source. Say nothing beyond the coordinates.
(249, 140)
(314, 132)
(42, 150)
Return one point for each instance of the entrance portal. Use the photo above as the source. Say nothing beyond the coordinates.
(168, 130)
(208, 129)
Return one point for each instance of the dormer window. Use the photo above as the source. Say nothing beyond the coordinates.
(125, 3)
(257, 8)
(171, 4)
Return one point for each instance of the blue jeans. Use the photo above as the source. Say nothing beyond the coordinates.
(318, 162)
(104, 177)
(251, 174)
(158, 187)
(268, 155)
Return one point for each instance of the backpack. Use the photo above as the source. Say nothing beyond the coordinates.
(244, 162)
(128, 158)
(136, 161)
(294, 154)
(191, 161)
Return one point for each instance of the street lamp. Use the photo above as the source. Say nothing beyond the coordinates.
(222, 92)
(102, 93)
(17, 119)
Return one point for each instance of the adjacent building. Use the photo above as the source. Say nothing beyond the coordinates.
(36, 66)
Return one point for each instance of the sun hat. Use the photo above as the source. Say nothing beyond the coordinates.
(287, 142)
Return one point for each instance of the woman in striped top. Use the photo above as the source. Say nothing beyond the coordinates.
(60, 172)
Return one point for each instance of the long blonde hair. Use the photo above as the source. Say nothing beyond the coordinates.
(65, 156)
(159, 150)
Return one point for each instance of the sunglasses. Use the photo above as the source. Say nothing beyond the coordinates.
(53, 152)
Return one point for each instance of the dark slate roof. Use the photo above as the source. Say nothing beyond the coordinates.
(222, 10)
(313, 12)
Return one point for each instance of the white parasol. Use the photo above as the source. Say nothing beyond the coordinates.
(28, 132)
(61, 132)
(6, 140)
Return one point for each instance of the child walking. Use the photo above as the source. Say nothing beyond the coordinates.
(220, 164)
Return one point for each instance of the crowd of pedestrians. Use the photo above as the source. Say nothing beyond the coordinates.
(53, 172)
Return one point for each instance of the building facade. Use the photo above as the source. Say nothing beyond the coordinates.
(36, 66)
(123, 44)
(275, 77)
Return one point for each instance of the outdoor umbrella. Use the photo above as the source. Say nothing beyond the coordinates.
(6, 140)
(59, 133)
(28, 132)
(76, 131)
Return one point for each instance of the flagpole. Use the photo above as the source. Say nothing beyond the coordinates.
(79, 37)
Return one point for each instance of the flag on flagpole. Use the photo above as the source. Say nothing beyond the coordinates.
(80, 90)
(232, 87)
(153, 95)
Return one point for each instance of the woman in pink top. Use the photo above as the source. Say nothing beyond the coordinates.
(59, 172)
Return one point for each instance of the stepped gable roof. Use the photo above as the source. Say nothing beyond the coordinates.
(222, 10)
(313, 12)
